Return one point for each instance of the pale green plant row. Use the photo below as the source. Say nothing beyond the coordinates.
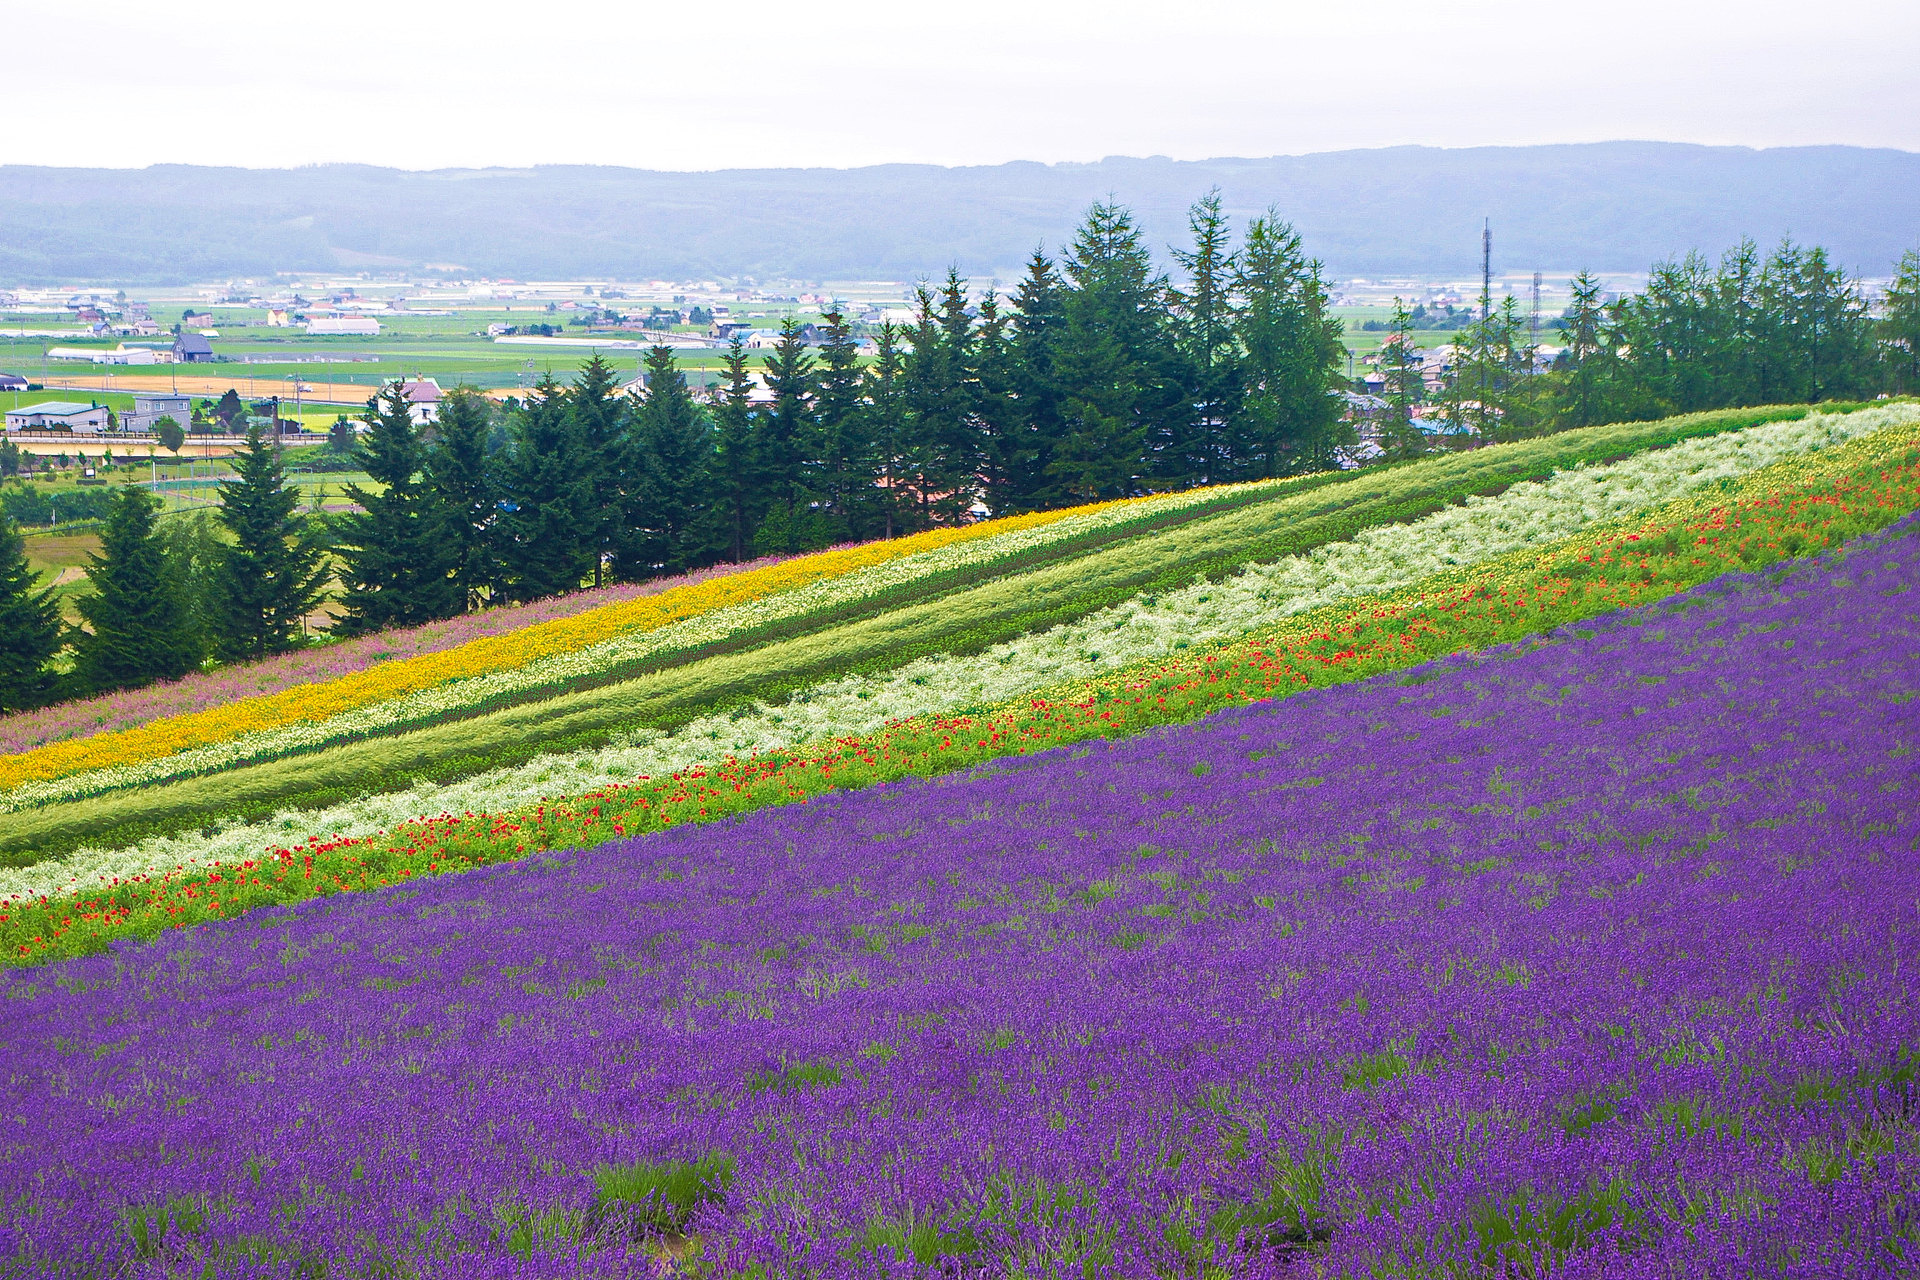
(595, 661)
(1378, 561)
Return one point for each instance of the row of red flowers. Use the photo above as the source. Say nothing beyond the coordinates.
(1520, 598)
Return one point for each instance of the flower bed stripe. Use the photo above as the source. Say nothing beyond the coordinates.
(1380, 559)
(1339, 511)
(552, 651)
(1812, 504)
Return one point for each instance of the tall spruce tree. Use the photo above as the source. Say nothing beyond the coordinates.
(271, 576)
(666, 526)
(932, 404)
(887, 427)
(1294, 355)
(138, 627)
(1205, 335)
(840, 458)
(783, 436)
(997, 408)
(605, 448)
(739, 492)
(30, 631)
(1039, 327)
(953, 441)
(397, 558)
(549, 526)
(1125, 403)
(459, 474)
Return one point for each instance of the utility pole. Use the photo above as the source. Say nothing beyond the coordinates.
(1486, 269)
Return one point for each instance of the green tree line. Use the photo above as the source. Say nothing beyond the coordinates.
(1782, 327)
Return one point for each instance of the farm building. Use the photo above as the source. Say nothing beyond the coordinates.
(12, 382)
(335, 326)
(58, 415)
(192, 348)
(122, 354)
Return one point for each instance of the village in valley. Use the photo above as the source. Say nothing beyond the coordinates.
(89, 372)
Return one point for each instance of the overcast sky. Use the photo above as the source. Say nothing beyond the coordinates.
(692, 84)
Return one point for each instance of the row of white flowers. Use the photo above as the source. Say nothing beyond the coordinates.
(457, 696)
(1378, 560)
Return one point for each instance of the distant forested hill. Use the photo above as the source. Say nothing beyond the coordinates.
(1606, 206)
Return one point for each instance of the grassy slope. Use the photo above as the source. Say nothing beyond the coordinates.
(962, 620)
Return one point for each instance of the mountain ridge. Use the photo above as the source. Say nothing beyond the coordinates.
(1611, 206)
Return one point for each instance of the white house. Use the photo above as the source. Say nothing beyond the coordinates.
(149, 409)
(423, 400)
(58, 415)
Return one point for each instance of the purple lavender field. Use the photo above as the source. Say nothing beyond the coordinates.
(1596, 959)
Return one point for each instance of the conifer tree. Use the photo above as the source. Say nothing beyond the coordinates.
(738, 488)
(605, 450)
(458, 473)
(271, 577)
(1900, 327)
(996, 407)
(930, 397)
(397, 557)
(1039, 326)
(840, 457)
(783, 435)
(1294, 354)
(1400, 368)
(887, 427)
(1586, 364)
(138, 627)
(229, 410)
(673, 458)
(549, 525)
(951, 430)
(1208, 345)
(1821, 338)
(1124, 403)
(30, 631)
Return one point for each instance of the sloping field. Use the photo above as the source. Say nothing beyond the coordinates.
(1591, 957)
(952, 628)
(1497, 866)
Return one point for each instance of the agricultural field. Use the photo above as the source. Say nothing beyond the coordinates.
(1499, 864)
(339, 373)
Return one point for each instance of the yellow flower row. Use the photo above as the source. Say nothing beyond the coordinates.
(315, 702)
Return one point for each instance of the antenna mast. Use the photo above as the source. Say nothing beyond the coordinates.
(1486, 269)
(1533, 326)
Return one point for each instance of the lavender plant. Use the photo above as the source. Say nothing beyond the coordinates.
(1589, 958)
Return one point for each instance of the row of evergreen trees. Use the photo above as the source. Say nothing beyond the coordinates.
(1785, 327)
(165, 600)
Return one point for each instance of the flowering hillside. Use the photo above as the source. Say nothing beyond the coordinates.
(1592, 957)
